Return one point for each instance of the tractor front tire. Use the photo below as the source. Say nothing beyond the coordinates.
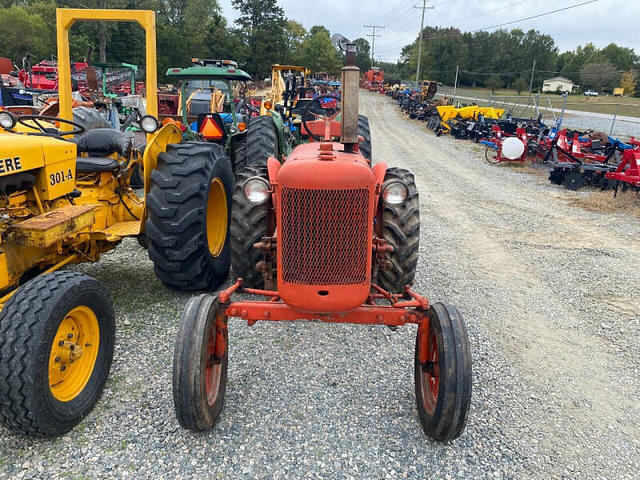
(443, 383)
(239, 152)
(199, 372)
(249, 223)
(189, 212)
(262, 140)
(57, 334)
(365, 131)
(401, 230)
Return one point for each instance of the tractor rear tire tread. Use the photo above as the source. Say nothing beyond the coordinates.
(262, 141)
(401, 230)
(176, 224)
(27, 328)
(249, 223)
(365, 131)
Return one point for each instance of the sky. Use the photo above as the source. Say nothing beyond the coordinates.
(601, 22)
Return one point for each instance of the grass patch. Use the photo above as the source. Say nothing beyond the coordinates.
(605, 202)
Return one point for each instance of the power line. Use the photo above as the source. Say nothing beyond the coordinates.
(550, 12)
(373, 39)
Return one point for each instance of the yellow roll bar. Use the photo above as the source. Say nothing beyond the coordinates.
(66, 17)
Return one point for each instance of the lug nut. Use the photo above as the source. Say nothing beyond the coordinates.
(63, 368)
(57, 359)
(70, 335)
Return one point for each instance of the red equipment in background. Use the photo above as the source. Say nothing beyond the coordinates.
(628, 171)
(503, 148)
(372, 79)
(44, 75)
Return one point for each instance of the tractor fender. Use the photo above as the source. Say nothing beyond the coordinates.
(379, 171)
(283, 147)
(273, 167)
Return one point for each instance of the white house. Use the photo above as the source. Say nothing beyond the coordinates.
(558, 84)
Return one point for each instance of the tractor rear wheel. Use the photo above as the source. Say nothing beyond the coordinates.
(401, 230)
(56, 345)
(443, 382)
(189, 212)
(200, 362)
(239, 152)
(365, 131)
(249, 223)
(262, 140)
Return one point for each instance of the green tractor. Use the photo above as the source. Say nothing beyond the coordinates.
(212, 105)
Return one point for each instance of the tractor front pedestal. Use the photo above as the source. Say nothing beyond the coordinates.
(442, 360)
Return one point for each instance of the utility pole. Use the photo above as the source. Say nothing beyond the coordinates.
(533, 70)
(423, 7)
(455, 85)
(373, 40)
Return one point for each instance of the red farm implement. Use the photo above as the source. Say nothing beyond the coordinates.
(628, 172)
(574, 166)
(326, 237)
(502, 148)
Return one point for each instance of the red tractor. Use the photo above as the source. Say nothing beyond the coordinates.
(326, 236)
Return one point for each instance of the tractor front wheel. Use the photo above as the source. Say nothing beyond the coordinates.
(200, 362)
(189, 212)
(56, 345)
(443, 374)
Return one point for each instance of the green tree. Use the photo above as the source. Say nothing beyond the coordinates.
(294, 34)
(318, 53)
(261, 25)
(363, 55)
(628, 82)
(519, 85)
(22, 33)
(493, 83)
(599, 75)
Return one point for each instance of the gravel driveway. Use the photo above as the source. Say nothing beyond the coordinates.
(541, 284)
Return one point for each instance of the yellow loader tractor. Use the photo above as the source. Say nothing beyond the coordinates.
(65, 198)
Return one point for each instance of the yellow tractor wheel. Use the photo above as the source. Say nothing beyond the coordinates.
(189, 208)
(56, 345)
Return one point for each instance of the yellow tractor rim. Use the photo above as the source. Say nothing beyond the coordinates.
(217, 217)
(73, 353)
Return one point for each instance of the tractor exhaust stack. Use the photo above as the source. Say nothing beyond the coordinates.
(349, 100)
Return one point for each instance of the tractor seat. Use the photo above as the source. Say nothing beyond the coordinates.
(96, 164)
(101, 142)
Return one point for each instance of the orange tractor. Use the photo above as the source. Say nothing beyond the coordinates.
(328, 237)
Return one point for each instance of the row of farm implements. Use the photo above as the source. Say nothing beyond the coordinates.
(576, 159)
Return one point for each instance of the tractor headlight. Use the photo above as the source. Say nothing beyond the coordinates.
(394, 193)
(256, 189)
(149, 124)
(7, 120)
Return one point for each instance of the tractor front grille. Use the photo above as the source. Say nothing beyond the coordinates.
(324, 236)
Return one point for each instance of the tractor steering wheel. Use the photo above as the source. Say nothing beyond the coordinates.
(23, 119)
(317, 102)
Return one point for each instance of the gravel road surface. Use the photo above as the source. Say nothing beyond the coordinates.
(543, 286)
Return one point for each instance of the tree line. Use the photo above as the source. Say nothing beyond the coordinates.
(262, 35)
(504, 59)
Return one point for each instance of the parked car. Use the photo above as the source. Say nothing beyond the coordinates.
(591, 93)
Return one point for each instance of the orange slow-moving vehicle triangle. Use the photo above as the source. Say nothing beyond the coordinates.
(210, 129)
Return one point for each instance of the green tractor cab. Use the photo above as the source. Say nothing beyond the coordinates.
(212, 104)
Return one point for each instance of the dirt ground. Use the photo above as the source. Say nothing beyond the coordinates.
(549, 291)
(556, 288)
